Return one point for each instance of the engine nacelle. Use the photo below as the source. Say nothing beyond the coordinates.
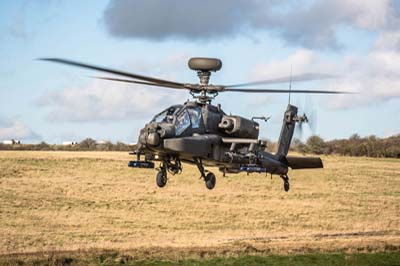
(239, 127)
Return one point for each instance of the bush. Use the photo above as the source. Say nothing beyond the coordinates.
(316, 145)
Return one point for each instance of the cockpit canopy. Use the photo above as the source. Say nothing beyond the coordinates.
(167, 115)
(182, 116)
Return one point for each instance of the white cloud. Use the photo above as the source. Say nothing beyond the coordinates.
(302, 61)
(15, 129)
(388, 41)
(105, 101)
(113, 101)
(375, 76)
(368, 14)
(315, 24)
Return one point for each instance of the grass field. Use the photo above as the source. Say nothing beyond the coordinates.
(89, 202)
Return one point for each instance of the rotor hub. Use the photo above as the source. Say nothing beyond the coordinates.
(204, 66)
(204, 77)
(204, 92)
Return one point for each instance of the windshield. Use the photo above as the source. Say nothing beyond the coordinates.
(195, 116)
(160, 117)
(165, 115)
(182, 122)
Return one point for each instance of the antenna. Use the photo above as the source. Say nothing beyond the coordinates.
(290, 82)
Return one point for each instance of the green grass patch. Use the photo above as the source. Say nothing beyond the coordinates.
(391, 259)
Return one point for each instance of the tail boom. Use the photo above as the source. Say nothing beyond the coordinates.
(285, 138)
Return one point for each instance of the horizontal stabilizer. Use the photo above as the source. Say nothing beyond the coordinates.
(304, 162)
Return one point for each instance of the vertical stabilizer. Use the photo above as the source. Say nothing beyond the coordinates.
(289, 122)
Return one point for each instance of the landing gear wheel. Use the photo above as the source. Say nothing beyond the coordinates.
(286, 186)
(210, 180)
(161, 178)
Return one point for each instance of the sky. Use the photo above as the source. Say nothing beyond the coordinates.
(357, 41)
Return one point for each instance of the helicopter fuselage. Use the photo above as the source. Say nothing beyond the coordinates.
(203, 131)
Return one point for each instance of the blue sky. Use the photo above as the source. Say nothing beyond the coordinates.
(356, 40)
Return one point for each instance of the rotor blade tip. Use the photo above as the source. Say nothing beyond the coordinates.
(47, 59)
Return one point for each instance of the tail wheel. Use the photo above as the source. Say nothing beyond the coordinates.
(286, 186)
(210, 180)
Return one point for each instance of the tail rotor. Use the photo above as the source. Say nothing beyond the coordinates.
(309, 117)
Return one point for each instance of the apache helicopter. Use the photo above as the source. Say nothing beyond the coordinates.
(200, 133)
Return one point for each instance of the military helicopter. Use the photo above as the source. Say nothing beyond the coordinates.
(197, 132)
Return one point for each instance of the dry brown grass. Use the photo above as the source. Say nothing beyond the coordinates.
(85, 200)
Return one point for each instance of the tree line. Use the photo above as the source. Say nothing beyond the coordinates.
(85, 145)
(370, 146)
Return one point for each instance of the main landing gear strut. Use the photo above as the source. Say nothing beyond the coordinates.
(209, 178)
(171, 165)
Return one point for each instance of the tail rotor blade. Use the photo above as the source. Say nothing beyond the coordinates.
(299, 131)
(311, 114)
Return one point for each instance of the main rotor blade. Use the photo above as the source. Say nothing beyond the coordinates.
(139, 82)
(113, 71)
(286, 91)
(298, 78)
